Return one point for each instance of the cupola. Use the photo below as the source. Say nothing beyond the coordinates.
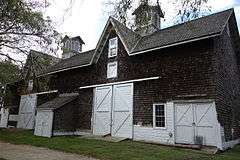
(148, 18)
(71, 46)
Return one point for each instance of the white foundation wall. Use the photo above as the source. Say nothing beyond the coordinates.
(150, 134)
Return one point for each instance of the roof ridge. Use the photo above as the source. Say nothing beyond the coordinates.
(125, 26)
(199, 18)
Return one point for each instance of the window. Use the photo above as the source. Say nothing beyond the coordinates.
(159, 116)
(113, 47)
(68, 45)
(77, 46)
(112, 70)
(30, 85)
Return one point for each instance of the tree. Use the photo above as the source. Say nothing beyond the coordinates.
(22, 26)
(120, 10)
(191, 9)
(186, 9)
(9, 72)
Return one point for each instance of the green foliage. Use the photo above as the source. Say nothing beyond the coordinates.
(9, 72)
(126, 150)
(23, 26)
(121, 9)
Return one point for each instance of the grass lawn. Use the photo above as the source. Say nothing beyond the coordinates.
(126, 150)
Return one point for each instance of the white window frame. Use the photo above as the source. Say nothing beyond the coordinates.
(154, 115)
(110, 47)
(30, 85)
(108, 70)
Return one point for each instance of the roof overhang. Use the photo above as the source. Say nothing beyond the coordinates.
(61, 70)
(176, 44)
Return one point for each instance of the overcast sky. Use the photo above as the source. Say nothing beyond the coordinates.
(88, 17)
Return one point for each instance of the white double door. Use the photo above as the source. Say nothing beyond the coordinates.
(195, 119)
(113, 110)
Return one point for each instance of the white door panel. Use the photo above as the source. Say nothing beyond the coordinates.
(122, 111)
(184, 121)
(44, 120)
(204, 119)
(27, 111)
(102, 111)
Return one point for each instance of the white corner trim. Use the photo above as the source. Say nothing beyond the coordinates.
(125, 46)
(175, 44)
(122, 82)
(101, 37)
(53, 91)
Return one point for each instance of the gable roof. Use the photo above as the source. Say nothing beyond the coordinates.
(37, 62)
(76, 61)
(198, 29)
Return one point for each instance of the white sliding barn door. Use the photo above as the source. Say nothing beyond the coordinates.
(195, 119)
(122, 117)
(26, 114)
(102, 110)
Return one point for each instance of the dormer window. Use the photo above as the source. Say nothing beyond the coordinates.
(113, 47)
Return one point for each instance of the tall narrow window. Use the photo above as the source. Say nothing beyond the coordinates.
(113, 47)
(112, 70)
(30, 85)
(159, 116)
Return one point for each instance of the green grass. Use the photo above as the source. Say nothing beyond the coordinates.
(126, 150)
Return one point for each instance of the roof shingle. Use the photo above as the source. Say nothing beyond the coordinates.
(209, 25)
(57, 102)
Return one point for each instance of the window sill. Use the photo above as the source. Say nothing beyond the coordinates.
(112, 56)
(160, 128)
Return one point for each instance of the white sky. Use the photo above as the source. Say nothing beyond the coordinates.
(88, 17)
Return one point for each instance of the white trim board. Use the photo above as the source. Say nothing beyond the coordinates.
(122, 82)
(54, 91)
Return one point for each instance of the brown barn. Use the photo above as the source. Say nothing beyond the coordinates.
(178, 85)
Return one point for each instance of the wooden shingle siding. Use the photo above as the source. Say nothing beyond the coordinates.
(227, 84)
(85, 109)
(184, 70)
(64, 117)
(165, 135)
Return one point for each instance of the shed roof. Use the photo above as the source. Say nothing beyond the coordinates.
(78, 60)
(58, 102)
